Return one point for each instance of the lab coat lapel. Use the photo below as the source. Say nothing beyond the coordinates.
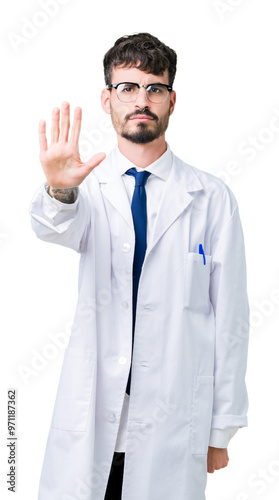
(113, 188)
(176, 198)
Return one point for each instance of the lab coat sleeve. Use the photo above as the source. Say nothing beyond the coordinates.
(228, 293)
(220, 438)
(62, 223)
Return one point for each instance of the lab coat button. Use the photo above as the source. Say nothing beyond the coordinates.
(126, 247)
(122, 360)
(111, 417)
(150, 307)
(125, 305)
(144, 364)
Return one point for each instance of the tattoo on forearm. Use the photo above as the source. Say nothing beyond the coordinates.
(63, 195)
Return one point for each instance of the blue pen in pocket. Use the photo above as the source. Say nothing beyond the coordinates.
(201, 251)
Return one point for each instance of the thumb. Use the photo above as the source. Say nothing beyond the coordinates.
(94, 161)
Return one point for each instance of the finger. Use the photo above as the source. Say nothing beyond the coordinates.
(76, 126)
(65, 121)
(55, 125)
(42, 135)
(93, 162)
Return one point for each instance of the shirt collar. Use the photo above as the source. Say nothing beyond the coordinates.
(161, 167)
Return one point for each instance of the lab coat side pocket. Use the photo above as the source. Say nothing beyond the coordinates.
(78, 376)
(196, 282)
(201, 414)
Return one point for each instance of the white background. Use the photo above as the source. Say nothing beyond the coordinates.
(227, 96)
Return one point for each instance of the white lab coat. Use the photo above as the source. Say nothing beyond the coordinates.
(191, 337)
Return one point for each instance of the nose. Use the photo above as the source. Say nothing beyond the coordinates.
(141, 100)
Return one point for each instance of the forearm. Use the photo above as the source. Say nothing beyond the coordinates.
(63, 195)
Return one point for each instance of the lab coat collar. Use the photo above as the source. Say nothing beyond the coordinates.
(110, 169)
(181, 181)
(161, 167)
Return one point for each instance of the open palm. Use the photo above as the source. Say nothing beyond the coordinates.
(61, 162)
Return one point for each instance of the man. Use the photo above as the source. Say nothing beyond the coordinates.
(152, 386)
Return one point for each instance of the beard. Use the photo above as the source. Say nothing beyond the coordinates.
(146, 131)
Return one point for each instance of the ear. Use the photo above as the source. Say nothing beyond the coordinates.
(172, 101)
(105, 100)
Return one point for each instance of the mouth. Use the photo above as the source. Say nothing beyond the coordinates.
(142, 118)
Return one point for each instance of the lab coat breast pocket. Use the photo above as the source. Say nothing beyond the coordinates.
(196, 282)
(202, 413)
(77, 381)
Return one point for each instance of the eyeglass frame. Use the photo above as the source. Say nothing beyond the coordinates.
(115, 85)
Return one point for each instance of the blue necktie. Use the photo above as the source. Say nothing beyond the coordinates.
(138, 208)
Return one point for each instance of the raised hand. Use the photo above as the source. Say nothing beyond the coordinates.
(61, 162)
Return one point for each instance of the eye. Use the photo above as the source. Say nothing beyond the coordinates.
(128, 89)
(156, 89)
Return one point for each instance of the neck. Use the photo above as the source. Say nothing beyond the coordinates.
(142, 155)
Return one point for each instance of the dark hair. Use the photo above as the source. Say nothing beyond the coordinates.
(142, 51)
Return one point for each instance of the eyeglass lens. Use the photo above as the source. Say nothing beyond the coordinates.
(127, 92)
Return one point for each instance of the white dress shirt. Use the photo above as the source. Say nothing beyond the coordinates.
(154, 187)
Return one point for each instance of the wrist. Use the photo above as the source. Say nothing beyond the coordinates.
(63, 195)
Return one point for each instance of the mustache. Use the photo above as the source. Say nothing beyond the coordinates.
(145, 112)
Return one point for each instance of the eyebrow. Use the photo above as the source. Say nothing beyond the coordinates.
(140, 85)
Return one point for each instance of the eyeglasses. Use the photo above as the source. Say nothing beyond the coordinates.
(127, 92)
